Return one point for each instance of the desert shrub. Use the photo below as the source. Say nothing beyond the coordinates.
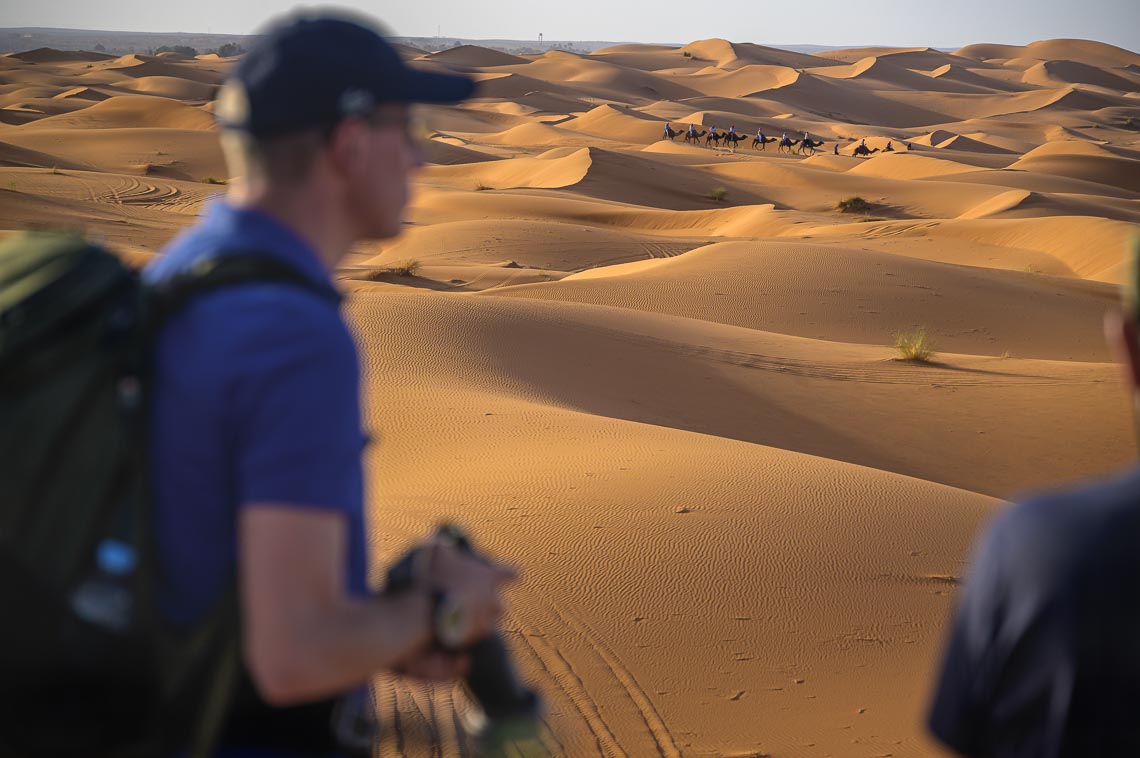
(915, 346)
(853, 205)
(718, 194)
(408, 268)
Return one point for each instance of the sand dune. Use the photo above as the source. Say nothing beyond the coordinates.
(474, 56)
(661, 377)
(1061, 73)
(907, 293)
(880, 73)
(598, 78)
(725, 54)
(83, 93)
(171, 87)
(131, 112)
(913, 58)
(1084, 51)
(1104, 169)
(518, 87)
(973, 77)
(825, 97)
(872, 568)
(136, 66)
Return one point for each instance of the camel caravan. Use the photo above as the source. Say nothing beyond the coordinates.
(731, 138)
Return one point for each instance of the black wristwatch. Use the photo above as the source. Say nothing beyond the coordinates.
(448, 622)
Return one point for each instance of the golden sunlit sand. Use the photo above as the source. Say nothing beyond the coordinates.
(662, 377)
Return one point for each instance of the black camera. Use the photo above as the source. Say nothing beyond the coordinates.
(492, 681)
(510, 710)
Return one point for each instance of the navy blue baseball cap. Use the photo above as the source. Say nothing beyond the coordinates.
(314, 70)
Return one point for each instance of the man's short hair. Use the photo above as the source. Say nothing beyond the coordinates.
(282, 160)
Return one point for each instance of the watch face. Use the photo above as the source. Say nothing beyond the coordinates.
(450, 624)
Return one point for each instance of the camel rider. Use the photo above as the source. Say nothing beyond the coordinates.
(759, 134)
(889, 148)
(668, 131)
(712, 132)
(837, 148)
(692, 130)
(784, 138)
(806, 138)
(863, 142)
(732, 131)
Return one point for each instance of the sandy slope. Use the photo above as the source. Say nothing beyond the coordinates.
(660, 376)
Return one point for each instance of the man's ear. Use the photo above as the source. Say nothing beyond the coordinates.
(1121, 333)
(345, 145)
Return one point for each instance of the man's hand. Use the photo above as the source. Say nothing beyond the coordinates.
(472, 584)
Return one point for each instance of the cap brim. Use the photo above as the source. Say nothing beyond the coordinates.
(429, 87)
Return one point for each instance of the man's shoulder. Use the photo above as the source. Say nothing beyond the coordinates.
(1089, 504)
(236, 326)
(1058, 531)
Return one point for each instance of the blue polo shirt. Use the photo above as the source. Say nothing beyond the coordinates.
(1043, 659)
(256, 399)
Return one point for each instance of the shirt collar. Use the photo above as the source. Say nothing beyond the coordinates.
(231, 228)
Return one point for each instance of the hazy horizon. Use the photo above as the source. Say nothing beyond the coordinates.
(830, 24)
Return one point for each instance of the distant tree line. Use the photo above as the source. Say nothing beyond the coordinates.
(227, 50)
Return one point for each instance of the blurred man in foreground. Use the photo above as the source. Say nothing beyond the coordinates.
(256, 426)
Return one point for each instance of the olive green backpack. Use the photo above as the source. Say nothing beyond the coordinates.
(76, 328)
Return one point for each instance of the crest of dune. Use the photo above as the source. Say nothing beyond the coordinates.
(475, 57)
(82, 93)
(131, 111)
(1064, 73)
(1084, 51)
(171, 87)
(730, 55)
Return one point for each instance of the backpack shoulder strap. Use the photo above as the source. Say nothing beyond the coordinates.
(232, 267)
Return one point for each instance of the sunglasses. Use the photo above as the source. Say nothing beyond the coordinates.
(408, 120)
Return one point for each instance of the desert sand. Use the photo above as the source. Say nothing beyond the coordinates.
(661, 378)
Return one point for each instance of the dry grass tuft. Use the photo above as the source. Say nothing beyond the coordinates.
(915, 346)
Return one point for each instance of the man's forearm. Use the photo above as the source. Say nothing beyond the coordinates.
(332, 652)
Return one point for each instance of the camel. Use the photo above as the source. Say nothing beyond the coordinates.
(760, 143)
(713, 138)
(670, 133)
(810, 145)
(864, 150)
(735, 139)
(694, 136)
(787, 143)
